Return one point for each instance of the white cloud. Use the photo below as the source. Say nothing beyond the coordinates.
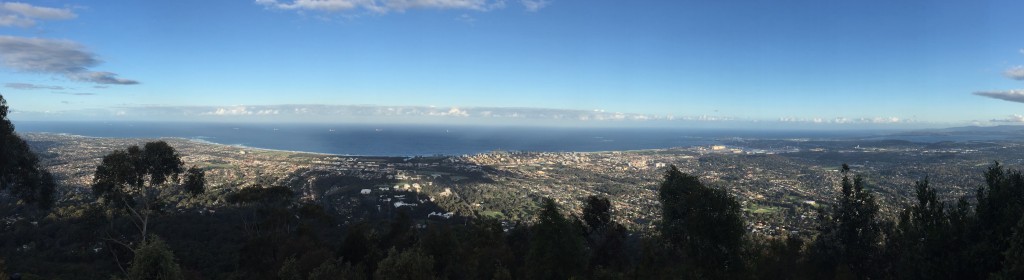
(386, 6)
(845, 120)
(1016, 73)
(1010, 95)
(466, 18)
(61, 57)
(240, 111)
(455, 112)
(1011, 119)
(535, 5)
(25, 15)
(316, 113)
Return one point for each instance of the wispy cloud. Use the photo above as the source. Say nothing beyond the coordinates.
(1016, 73)
(60, 57)
(1010, 95)
(386, 6)
(240, 111)
(466, 18)
(313, 111)
(845, 120)
(27, 86)
(1011, 119)
(333, 113)
(535, 5)
(76, 93)
(26, 15)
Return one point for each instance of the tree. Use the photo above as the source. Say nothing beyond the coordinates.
(597, 212)
(484, 251)
(556, 249)
(336, 269)
(606, 238)
(134, 179)
(924, 244)
(1013, 258)
(776, 258)
(19, 167)
(1000, 207)
(849, 237)
(439, 242)
(411, 264)
(289, 270)
(3, 269)
(703, 223)
(195, 181)
(154, 261)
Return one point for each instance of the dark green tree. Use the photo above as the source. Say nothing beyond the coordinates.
(1000, 207)
(777, 258)
(410, 264)
(3, 269)
(195, 181)
(484, 252)
(849, 236)
(597, 212)
(439, 242)
(703, 223)
(925, 244)
(290, 270)
(134, 179)
(556, 247)
(154, 260)
(336, 269)
(19, 167)
(1013, 264)
(606, 238)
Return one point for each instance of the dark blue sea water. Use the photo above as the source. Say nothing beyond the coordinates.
(412, 140)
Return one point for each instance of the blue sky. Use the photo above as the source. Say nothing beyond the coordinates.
(910, 63)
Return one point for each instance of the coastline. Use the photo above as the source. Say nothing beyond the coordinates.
(241, 146)
(193, 140)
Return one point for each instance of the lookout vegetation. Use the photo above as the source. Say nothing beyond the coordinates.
(151, 218)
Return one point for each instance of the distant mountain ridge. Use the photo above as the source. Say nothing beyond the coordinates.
(1007, 130)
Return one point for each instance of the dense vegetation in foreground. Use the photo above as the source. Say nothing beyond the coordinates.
(148, 223)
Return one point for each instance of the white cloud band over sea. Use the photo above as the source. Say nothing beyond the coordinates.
(310, 113)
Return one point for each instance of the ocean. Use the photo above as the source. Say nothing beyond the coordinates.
(420, 140)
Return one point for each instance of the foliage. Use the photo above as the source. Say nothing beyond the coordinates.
(849, 236)
(704, 224)
(134, 179)
(411, 264)
(195, 181)
(337, 270)
(19, 167)
(154, 260)
(597, 212)
(127, 177)
(556, 249)
(928, 238)
(3, 269)
(275, 195)
(1013, 266)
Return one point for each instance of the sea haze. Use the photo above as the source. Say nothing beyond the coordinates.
(419, 140)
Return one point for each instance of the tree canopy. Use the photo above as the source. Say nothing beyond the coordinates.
(705, 224)
(20, 172)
